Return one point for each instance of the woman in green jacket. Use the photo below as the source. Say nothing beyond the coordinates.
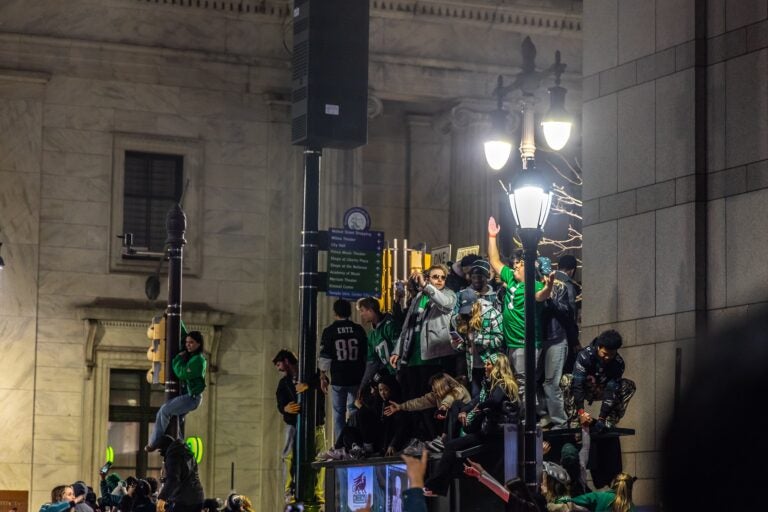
(617, 499)
(189, 366)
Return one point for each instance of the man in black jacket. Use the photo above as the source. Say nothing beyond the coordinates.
(554, 349)
(182, 490)
(598, 375)
(566, 270)
(288, 405)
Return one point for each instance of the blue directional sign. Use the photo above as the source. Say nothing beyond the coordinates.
(354, 263)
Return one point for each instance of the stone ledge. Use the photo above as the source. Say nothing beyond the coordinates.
(276, 8)
(128, 310)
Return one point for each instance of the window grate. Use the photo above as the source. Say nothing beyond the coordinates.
(153, 184)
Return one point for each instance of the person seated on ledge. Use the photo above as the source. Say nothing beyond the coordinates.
(447, 395)
(497, 403)
(189, 366)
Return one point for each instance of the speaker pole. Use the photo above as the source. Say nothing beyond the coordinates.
(305, 476)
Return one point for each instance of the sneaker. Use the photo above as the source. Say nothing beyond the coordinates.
(436, 445)
(334, 454)
(414, 449)
(357, 452)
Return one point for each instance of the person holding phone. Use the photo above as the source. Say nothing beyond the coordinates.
(425, 339)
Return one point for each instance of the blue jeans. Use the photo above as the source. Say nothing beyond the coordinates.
(553, 354)
(178, 406)
(343, 400)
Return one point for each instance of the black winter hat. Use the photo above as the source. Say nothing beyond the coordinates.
(79, 488)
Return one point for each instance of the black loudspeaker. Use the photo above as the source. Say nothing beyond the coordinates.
(329, 101)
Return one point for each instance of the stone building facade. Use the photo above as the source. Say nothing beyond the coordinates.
(84, 82)
(675, 175)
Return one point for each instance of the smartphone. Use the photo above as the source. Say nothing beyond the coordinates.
(105, 467)
(456, 339)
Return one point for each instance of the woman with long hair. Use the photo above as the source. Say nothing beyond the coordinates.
(62, 499)
(482, 418)
(617, 499)
(447, 395)
(189, 366)
(478, 325)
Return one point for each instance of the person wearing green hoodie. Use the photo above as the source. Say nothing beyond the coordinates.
(189, 366)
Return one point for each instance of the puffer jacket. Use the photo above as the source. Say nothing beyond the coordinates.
(435, 338)
(431, 400)
(182, 483)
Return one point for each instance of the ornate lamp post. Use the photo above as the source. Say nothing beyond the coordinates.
(530, 199)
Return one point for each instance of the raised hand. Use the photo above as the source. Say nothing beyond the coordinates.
(416, 467)
(493, 228)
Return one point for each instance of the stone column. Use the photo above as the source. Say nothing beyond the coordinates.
(428, 183)
(475, 190)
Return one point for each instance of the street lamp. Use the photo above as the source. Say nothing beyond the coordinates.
(556, 123)
(530, 199)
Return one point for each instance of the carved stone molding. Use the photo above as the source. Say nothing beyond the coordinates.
(278, 9)
(114, 313)
(511, 15)
(486, 12)
(375, 106)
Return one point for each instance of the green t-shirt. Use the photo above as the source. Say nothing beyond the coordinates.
(381, 341)
(415, 358)
(513, 315)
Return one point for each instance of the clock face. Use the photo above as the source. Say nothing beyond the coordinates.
(356, 221)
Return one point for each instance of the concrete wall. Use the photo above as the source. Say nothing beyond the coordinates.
(642, 206)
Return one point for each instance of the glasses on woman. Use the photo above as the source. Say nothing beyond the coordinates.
(438, 277)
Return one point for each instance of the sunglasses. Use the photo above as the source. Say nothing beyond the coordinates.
(439, 277)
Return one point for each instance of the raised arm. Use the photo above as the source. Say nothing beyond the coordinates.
(493, 250)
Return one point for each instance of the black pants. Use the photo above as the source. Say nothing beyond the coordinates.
(414, 381)
(449, 467)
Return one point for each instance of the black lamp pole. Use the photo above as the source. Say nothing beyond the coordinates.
(176, 225)
(530, 238)
(305, 432)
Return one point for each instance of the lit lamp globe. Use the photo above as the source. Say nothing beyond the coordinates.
(556, 124)
(498, 147)
(530, 199)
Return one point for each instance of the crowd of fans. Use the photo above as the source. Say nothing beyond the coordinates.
(444, 370)
(179, 489)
